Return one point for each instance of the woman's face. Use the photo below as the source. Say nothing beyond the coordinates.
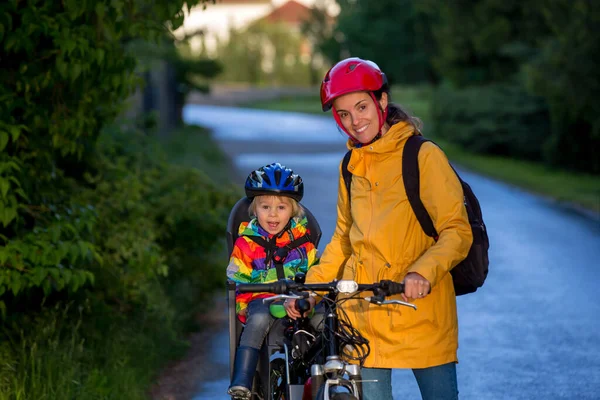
(359, 114)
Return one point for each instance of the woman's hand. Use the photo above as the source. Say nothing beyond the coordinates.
(290, 307)
(415, 287)
(243, 312)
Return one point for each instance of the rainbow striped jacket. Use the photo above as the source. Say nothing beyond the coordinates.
(247, 262)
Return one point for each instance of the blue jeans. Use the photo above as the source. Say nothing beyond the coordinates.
(435, 383)
(259, 322)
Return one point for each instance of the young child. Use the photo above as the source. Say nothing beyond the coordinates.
(277, 216)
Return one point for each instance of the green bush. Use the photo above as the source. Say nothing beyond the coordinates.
(157, 234)
(157, 224)
(499, 119)
(66, 72)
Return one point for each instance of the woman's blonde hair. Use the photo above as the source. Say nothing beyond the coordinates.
(297, 209)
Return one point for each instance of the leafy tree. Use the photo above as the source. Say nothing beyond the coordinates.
(394, 34)
(264, 52)
(482, 41)
(318, 29)
(566, 74)
(242, 57)
(66, 70)
(187, 72)
(552, 46)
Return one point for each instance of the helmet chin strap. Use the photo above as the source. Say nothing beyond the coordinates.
(381, 115)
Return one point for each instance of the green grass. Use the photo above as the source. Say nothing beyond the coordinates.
(193, 146)
(577, 189)
(93, 356)
(303, 104)
(415, 99)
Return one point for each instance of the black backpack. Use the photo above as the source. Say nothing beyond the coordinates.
(470, 273)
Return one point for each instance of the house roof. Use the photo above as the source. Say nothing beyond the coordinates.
(292, 13)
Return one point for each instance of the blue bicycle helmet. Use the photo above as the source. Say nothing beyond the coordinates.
(274, 179)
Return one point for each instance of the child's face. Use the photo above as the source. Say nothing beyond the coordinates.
(273, 212)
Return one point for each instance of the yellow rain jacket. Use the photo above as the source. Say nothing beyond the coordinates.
(379, 237)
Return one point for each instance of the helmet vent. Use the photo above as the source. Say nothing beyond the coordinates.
(255, 177)
(351, 67)
(266, 179)
(277, 174)
(290, 180)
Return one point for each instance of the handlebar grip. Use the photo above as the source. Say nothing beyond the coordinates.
(279, 287)
(391, 288)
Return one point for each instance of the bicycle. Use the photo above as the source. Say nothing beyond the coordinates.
(331, 375)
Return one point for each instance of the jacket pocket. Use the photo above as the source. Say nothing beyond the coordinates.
(349, 270)
(403, 318)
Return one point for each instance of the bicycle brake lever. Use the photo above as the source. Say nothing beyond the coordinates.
(281, 296)
(380, 302)
(302, 295)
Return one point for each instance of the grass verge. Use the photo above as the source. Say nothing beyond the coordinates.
(193, 146)
(91, 356)
(576, 189)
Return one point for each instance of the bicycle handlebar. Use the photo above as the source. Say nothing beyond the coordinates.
(291, 289)
(283, 286)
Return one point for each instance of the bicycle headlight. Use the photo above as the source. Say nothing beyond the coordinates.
(347, 286)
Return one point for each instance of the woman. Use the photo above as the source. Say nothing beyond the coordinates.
(377, 236)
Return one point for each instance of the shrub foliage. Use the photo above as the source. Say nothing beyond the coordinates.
(499, 119)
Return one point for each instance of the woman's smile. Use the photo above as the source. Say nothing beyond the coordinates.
(361, 130)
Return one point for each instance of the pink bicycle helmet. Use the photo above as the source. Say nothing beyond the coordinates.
(352, 75)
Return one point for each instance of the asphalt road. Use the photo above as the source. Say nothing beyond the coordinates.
(532, 331)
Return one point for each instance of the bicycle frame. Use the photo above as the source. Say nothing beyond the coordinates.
(334, 374)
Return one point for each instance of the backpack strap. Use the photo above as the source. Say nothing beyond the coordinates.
(411, 178)
(278, 254)
(346, 174)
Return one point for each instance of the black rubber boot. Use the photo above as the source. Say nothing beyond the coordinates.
(246, 361)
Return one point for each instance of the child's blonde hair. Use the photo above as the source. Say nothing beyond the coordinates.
(297, 209)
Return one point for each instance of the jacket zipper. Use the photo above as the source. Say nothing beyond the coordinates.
(372, 258)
